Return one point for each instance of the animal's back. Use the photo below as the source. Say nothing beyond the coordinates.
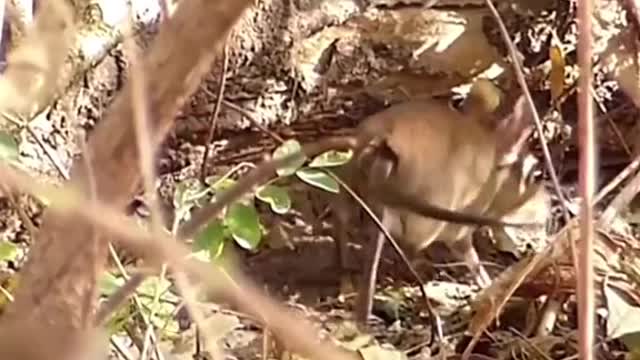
(442, 156)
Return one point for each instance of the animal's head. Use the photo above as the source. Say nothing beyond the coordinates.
(511, 184)
(512, 126)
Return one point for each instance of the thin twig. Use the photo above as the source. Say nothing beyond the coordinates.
(177, 61)
(247, 115)
(435, 319)
(144, 141)
(123, 352)
(296, 332)
(109, 307)
(253, 120)
(587, 175)
(611, 123)
(216, 111)
(513, 54)
(539, 353)
(24, 124)
(26, 220)
(201, 216)
(622, 199)
(48, 153)
(622, 176)
(146, 150)
(132, 283)
(189, 295)
(547, 156)
(2, 12)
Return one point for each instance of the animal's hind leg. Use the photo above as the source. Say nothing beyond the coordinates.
(342, 245)
(343, 263)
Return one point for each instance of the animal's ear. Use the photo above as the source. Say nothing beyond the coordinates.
(377, 161)
(483, 99)
(513, 131)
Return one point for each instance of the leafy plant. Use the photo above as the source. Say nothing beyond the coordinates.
(240, 222)
(159, 313)
(244, 225)
(277, 198)
(313, 174)
(9, 251)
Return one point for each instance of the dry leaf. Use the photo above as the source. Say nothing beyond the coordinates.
(376, 352)
(624, 318)
(449, 296)
(556, 75)
(519, 240)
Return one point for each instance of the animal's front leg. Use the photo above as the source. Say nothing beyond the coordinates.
(464, 249)
(371, 263)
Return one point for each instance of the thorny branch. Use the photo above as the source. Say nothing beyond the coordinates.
(58, 284)
(156, 249)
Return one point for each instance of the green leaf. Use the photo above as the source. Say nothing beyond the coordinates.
(163, 311)
(220, 184)
(9, 251)
(211, 239)
(109, 283)
(276, 196)
(120, 318)
(187, 192)
(201, 255)
(287, 148)
(152, 284)
(8, 147)
(216, 251)
(244, 225)
(319, 179)
(331, 158)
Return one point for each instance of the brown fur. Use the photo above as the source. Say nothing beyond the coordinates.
(453, 159)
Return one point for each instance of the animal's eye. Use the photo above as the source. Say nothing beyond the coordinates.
(456, 102)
